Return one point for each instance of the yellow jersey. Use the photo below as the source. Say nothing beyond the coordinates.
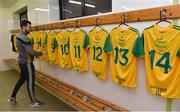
(37, 41)
(63, 43)
(79, 44)
(100, 46)
(51, 48)
(44, 38)
(127, 45)
(14, 42)
(161, 46)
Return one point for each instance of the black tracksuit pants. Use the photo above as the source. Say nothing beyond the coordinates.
(27, 73)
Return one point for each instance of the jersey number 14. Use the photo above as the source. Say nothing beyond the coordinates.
(165, 57)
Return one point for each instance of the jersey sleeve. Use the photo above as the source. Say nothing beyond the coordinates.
(138, 49)
(55, 43)
(12, 42)
(86, 42)
(46, 38)
(68, 42)
(178, 53)
(107, 46)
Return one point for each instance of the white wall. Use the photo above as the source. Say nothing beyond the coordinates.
(7, 23)
(53, 10)
(5, 45)
(132, 99)
(35, 16)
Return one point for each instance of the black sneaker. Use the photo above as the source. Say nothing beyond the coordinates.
(12, 100)
(36, 104)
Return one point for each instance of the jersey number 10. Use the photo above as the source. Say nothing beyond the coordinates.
(64, 49)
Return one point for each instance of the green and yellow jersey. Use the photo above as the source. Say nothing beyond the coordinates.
(100, 46)
(14, 42)
(37, 41)
(31, 38)
(44, 39)
(161, 46)
(79, 44)
(63, 42)
(51, 48)
(127, 45)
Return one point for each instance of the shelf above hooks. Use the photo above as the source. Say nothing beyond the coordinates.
(149, 14)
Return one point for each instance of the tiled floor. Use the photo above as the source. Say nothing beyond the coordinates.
(7, 82)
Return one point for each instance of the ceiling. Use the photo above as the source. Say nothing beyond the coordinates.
(7, 3)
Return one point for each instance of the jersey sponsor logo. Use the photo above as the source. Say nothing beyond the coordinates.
(161, 44)
(76, 39)
(97, 38)
(159, 90)
(63, 39)
(121, 41)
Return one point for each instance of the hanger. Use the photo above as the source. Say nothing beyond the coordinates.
(77, 25)
(123, 22)
(97, 23)
(163, 13)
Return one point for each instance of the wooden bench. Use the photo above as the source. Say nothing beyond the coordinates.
(74, 96)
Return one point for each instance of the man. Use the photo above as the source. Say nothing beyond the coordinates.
(25, 60)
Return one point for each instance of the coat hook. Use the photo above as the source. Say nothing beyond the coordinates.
(64, 25)
(77, 23)
(163, 13)
(97, 21)
(124, 18)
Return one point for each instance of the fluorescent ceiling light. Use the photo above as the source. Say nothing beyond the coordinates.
(79, 3)
(74, 2)
(89, 5)
(40, 9)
